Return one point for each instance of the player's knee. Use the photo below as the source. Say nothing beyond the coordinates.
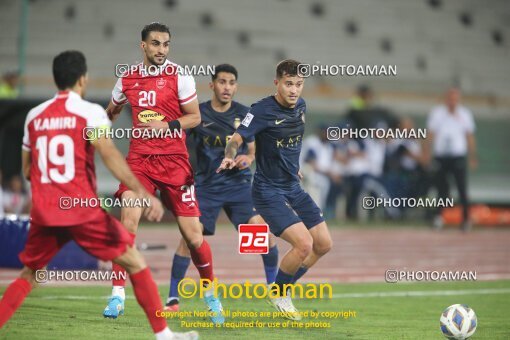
(304, 247)
(131, 260)
(323, 247)
(193, 239)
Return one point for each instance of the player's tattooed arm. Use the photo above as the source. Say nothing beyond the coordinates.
(26, 163)
(233, 146)
(115, 162)
(230, 152)
(113, 111)
(244, 161)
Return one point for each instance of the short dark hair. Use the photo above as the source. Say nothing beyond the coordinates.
(68, 67)
(223, 68)
(287, 67)
(154, 27)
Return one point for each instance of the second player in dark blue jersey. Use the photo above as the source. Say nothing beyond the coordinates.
(229, 190)
(277, 123)
(210, 139)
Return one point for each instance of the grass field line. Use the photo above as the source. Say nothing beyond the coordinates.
(412, 293)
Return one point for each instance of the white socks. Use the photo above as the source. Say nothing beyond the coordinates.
(210, 290)
(165, 334)
(119, 291)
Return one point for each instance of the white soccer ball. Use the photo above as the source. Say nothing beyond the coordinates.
(458, 322)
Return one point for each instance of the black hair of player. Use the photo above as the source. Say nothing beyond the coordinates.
(68, 67)
(223, 68)
(287, 67)
(154, 27)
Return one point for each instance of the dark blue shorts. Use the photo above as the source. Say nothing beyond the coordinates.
(281, 208)
(234, 199)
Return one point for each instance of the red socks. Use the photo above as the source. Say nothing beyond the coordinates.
(202, 259)
(13, 298)
(147, 295)
(120, 272)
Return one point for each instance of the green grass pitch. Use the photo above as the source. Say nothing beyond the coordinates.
(383, 311)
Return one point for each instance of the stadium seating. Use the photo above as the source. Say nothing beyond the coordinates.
(420, 33)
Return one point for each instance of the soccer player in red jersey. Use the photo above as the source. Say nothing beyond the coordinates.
(59, 162)
(162, 98)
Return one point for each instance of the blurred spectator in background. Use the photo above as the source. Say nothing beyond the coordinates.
(358, 169)
(320, 169)
(450, 145)
(364, 175)
(9, 85)
(404, 172)
(366, 156)
(364, 114)
(15, 199)
(339, 170)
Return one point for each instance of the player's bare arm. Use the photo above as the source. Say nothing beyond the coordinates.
(230, 153)
(244, 161)
(26, 162)
(115, 162)
(113, 111)
(190, 119)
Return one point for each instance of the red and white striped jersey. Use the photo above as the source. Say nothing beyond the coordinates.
(156, 97)
(62, 160)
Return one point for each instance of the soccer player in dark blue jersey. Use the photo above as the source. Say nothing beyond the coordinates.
(277, 122)
(230, 190)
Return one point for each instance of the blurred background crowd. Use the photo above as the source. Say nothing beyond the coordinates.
(339, 173)
(436, 45)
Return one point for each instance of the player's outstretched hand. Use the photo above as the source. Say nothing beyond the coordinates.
(154, 212)
(226, 164)
(243, 161)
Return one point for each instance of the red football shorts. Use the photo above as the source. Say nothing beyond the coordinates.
(171, 175)
(103, 237)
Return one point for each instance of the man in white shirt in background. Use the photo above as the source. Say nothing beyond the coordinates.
(319, 167)
(451, 144)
